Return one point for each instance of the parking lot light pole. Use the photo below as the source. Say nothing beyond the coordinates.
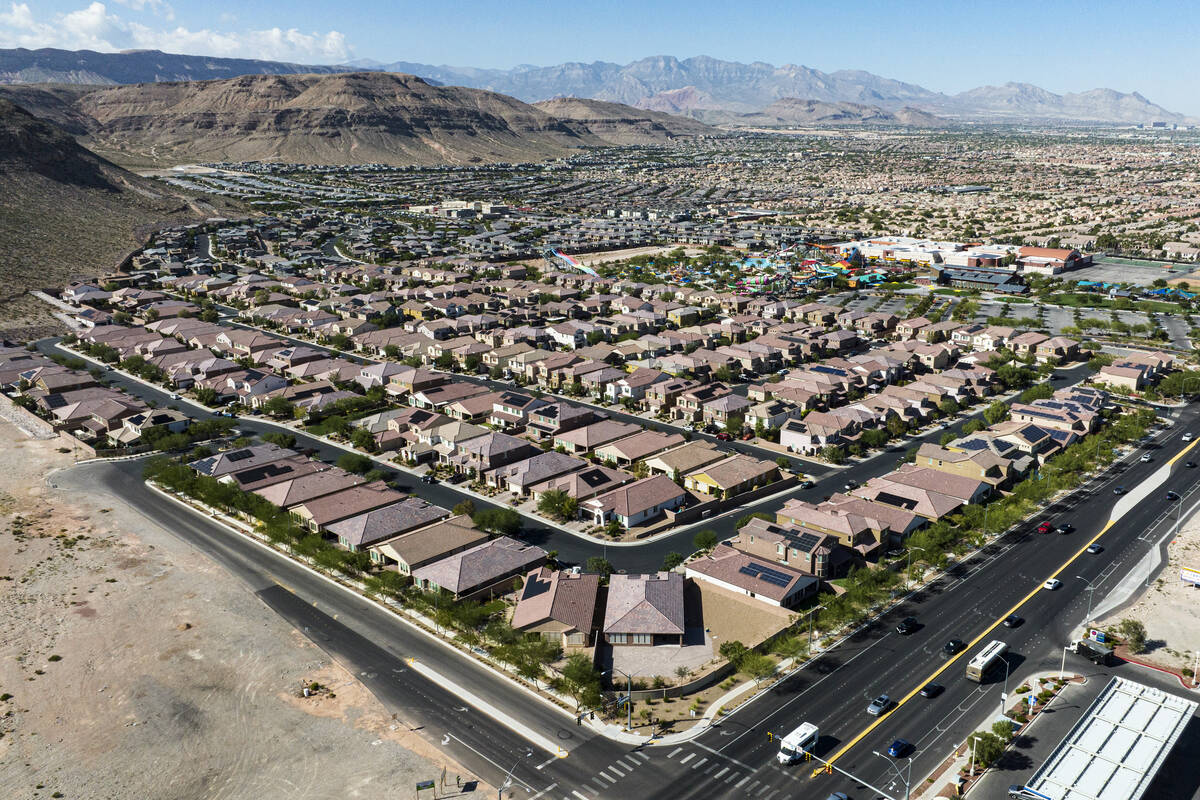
(1063, 671)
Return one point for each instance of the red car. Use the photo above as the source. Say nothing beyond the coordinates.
(1045, 527)
(724, 436)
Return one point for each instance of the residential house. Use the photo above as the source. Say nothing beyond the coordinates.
(635, 503)
(559, 606)
(818, 554)
(416, 548)
(486, 569)
(645, 609)
(731, 476)
(378, 524)
(624, 452)
(759, 578)
(679, 461)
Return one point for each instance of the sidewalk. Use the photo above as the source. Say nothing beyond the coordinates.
(944, 780)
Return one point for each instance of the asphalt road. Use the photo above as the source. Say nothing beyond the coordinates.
(635, 557)
(734, 759)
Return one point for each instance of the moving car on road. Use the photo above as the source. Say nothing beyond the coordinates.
(1094, 549)
(1052, 584)
(907, 626)
(1013, 621)
(953, 647)
(1045, 527)
(899, 748)
(879, 705)
(932, 690)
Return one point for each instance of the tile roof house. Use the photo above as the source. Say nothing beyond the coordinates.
(323, 511)
(624, 452)
(489, 451)
(486, 569)
(582, 484)
(635, 503)
(678, 461)
(519, 476)
(644, 609)
(818, 554)
(560, 607)
(305, 486)
(263, 475)
(361, 531)
(731, 476)
(589, 437)
(852, 530)
(422, 546)
(762, 579)
(220, 464)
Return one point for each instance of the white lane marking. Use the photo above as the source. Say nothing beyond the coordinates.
(743, 780)
(674, 752)
(698, 763)
(719, 774)
(614, 769)
(543, 791)
(630, 767)
(580, 796)
(687, 758)
(603, 775)
(722, 755)
(547, 762)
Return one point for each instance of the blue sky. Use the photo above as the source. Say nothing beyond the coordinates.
(945, 46)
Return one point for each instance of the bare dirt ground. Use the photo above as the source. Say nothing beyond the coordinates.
(130, 666)
(1168, 607)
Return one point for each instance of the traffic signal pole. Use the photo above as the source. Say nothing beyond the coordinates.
(829, 767)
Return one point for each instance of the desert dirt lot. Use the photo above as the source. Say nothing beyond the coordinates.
(1168, 607)
(131, 666)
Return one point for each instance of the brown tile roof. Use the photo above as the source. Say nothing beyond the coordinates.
(645, 604)
(566, 597)
(480, 565)
(746, 572)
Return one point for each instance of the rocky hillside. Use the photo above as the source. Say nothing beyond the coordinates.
(792, 112)
(618, 124)
(352, 118)
(66, 212)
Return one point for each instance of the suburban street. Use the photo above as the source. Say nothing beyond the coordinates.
(734, 758)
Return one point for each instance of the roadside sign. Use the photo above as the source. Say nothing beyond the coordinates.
(1189, 575)
(425, 785)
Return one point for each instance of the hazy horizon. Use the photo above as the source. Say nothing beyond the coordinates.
(943, 47)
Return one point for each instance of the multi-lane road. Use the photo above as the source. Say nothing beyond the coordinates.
(493, 728)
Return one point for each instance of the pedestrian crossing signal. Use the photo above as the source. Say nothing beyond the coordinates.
(828, 770)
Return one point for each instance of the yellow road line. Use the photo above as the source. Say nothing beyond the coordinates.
(846, 748)
(1183, 452)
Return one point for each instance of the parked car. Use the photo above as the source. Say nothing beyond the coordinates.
(747, 436)
(1172, 496)
(1094, 549)
(953, 646)
(1052, 584)
(1045, 527)
(724, 436)
(907, 626)
(428, 479)
(899, 748)
(1119, 490)
(879, 705)
(932, 690)
(1013, 621)
(1147, 457)
(850, 486)
(1187, 437)
(807, 484)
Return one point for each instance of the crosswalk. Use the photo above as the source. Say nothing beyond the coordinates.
(719, 771)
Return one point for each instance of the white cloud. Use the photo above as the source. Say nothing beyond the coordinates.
(94, 28)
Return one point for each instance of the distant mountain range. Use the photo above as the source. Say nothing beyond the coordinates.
(345, 118)
(658, 83)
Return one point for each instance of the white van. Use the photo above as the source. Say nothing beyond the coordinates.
(793, 746)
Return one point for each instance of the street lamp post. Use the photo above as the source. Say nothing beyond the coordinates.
(1063, 670)
(908, 566)
(628, 697)
(1091, 591)
(904, 778)
(508, 778)
(1004, 696)
(811, 613)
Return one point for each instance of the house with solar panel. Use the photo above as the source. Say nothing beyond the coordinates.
(756, 577)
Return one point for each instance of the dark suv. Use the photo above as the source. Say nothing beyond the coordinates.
(907, 626)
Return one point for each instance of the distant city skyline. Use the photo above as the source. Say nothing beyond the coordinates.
(947, 47)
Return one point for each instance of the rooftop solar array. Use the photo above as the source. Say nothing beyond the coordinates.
(765, 573)
(1117, 746)
(807, 541)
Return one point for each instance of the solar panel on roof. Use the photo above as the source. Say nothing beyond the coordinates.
(765, 573)
(239, 455)
(808, 541)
